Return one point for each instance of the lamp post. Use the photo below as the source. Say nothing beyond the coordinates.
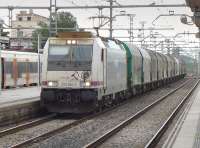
(199, 56)
(0, 69)
(131, 16)
(38, 52)
(184, 18)
(142, 29)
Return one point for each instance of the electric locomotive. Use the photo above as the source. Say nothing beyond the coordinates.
(82, 72)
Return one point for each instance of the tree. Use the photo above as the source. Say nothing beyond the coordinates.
(64, 20)
(44, 33)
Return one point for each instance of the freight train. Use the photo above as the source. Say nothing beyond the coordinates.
(83, 72)
(18, 69)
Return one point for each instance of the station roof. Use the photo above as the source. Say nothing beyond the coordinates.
(194, 4)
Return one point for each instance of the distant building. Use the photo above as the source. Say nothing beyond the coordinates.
(21, 37)
(1, 26)
(4, 42)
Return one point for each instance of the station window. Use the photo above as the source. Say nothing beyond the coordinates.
(21, 68)
(20, 18)
(28, 18)
(33, 67)
(8, 67)
(20, 34)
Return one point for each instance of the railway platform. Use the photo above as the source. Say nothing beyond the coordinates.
(18, 104)
(19, 94)
(186, 132)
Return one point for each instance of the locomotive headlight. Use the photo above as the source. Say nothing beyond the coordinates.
(52, 83)
(73, 41)
(69, 42)
(87, 84)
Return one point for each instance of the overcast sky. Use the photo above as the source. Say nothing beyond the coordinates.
(142, 14)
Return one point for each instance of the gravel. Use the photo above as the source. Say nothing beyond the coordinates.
(84, 133)
(140, 131)
(23, 135)
(172, 130)
(4, 127)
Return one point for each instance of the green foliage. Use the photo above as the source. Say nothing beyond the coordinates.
(64, 20)
(44, 33)
(4, 34)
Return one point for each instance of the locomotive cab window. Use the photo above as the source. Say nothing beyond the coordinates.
(70, 57)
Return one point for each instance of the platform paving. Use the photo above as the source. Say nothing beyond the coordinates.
(19, 94)
(189, 134)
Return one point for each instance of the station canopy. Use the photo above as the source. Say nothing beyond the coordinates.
(194, 4)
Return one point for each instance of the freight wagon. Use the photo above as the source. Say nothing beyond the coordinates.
(83, 72)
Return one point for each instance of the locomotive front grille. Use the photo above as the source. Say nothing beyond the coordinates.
(68, 98)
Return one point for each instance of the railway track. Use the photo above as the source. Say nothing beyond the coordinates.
(52, 132)
(32, 125)
(65, 127)
(100, 140)
(24, 126)
(55, 131)
(156, 138)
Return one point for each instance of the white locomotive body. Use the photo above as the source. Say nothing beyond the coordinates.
(80, 73)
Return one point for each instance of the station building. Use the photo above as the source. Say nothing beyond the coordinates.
(21, 35)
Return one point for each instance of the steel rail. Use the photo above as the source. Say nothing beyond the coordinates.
(26, 125)
(66, 127)
(100, 140)
(156, 138)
